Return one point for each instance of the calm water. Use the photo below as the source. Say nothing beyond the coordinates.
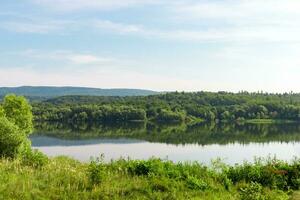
(202, 143)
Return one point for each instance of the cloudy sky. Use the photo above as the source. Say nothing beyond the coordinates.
(161, 45)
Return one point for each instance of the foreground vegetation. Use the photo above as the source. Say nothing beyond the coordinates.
(64, 178)
(172, 107)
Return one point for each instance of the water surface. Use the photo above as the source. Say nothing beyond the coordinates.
(202, 143)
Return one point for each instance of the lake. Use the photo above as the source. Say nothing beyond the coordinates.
(177, 142)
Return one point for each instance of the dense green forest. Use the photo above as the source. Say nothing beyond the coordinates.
(171, 107)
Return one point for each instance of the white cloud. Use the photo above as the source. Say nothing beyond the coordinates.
(238, 33)
(237, 10)
(228, 34)
(66, 56)
(243, 20)
(40, 27)
(119, 27)
(209, 21)
(74, 5)
(86, 59)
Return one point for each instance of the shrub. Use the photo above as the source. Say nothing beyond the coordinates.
(146, 168)
(197, 184)
(271, 173)
(33, 158)
(96, 172)
(253, 191)
(224, 180)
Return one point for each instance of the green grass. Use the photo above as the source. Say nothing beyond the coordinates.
(64, 178)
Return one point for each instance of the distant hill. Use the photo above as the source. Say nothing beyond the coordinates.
(49, 92)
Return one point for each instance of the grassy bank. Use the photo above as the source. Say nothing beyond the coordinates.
(64, 178)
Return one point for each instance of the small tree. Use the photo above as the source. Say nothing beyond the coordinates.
(15, 125)
(18, 111)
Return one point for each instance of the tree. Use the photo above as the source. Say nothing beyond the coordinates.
(11, 138)
(226, 115)
(169, 116)
(18, 111)
(15, 125)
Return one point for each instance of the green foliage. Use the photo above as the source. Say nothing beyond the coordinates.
(171, 107)
(11, 138)
(145, 168)
(270, 173)
(253, 191)
(170, 116)
(162, 184)
(2, 114)
(18, 111)
(97, 172)
(90, 113)
(15, 126)
(196, 184)
(64, 178)
(33, 158)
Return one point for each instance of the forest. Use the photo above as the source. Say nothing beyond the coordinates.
(172, 107)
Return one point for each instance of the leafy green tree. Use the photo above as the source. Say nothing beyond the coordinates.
(18, 111)
(11, 137)
(226, 115)
(15, 125)
(169, 116)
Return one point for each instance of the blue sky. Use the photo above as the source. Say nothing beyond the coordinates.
(161, 45)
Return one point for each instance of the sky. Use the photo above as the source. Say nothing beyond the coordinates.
(163, 45)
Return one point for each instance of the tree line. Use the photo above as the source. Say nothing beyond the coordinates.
(171, 107)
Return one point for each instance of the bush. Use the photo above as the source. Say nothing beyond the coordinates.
(146, 168)
(33, 158)
(96, 172)
(271, 173)
(253, 191)
(197, 184)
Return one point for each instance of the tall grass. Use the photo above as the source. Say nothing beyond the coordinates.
(63, 178)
